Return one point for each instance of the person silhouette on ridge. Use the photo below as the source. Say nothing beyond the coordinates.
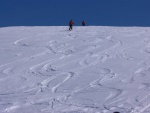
(83, 23)
(71, 25)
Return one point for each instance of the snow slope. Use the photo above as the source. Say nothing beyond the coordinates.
(87, 70)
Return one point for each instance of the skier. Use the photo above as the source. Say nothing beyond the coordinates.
(70, 25)
(83, 23)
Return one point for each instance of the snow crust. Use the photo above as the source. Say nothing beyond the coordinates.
(90, 69)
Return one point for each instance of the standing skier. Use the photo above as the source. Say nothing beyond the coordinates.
(70, 25)
(83, 23)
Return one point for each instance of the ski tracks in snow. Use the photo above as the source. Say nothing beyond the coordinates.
(86, 70)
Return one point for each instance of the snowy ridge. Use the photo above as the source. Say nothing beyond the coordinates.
(86, 70)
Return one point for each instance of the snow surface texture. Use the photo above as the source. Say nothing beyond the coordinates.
(87, 70)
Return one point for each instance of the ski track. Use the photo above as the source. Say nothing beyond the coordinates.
(81, 71)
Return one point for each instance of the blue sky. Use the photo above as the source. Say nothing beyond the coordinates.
(59, 12)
